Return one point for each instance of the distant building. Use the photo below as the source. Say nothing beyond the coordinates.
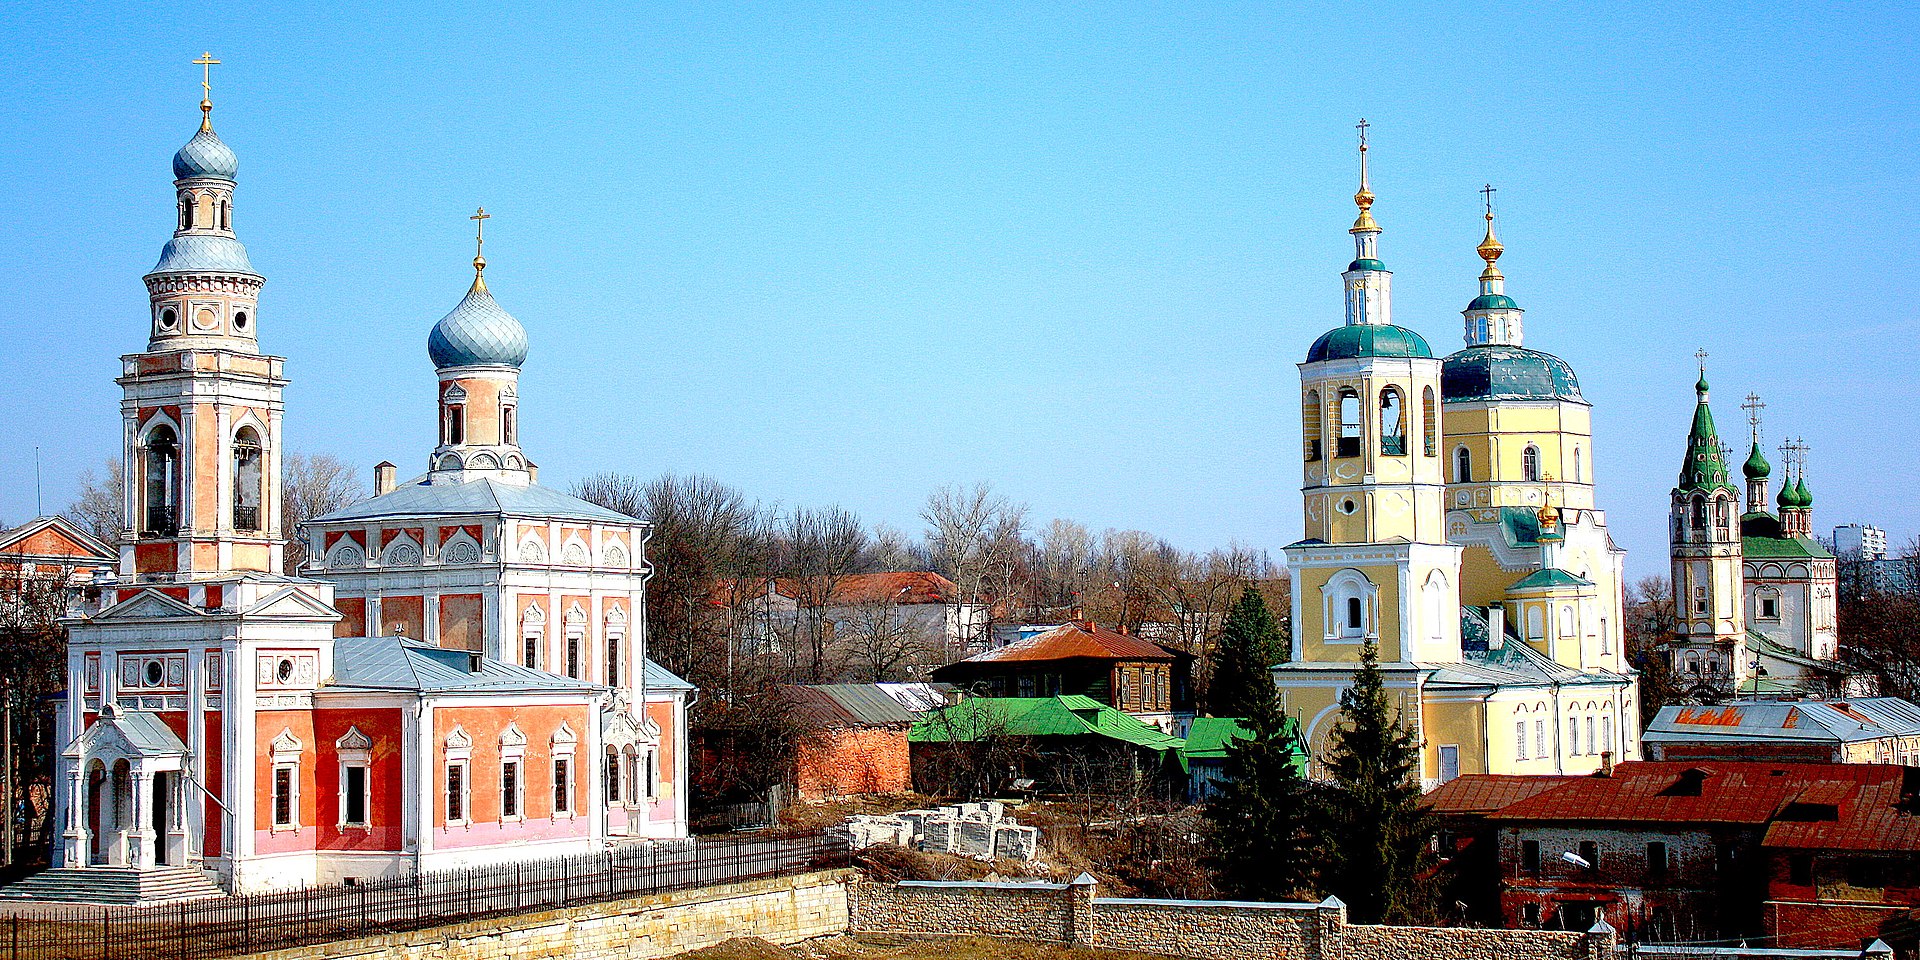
(1863, 730)
(1205, 751)
(1800, 854)
(853, 741)
(1862, 540)
(56, 547)
(1148, 681)
(1050, 744)
(767, 613)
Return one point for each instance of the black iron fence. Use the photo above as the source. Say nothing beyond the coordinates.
(222, 927)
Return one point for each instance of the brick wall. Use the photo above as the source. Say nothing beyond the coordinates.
(853, 760)
(782, 910)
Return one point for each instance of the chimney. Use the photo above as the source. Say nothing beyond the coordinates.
(1496, 627)
(1606, 763)
(384, 477)
(533, 472)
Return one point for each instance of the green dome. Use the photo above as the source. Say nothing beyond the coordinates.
(1789, 496)
(1367, 263)
(1499, 371)
(1756, 467)
(1493, 301)
(1368, 340)
(1801, 493)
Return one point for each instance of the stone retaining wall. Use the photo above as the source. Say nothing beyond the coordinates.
(782, 910)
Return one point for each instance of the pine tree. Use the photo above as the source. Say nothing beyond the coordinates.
(1243, 657)
(1377, 834)
(1259, 821)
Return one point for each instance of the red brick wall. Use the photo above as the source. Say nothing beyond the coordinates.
(853, 761)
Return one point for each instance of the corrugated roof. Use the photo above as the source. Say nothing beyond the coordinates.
(1487, 792)
(854, 704)
(1207, 737)
(1783, 548)
(1718, 792)
(1064, 716)
(1078, 639)
(919, 697)
(485, 496)
(1804, 721)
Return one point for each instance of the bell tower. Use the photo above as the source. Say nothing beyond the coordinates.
(201, 408)
(1709, 650)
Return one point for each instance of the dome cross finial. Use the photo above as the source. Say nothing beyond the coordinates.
(1364, 197)
(206, 64)
(1490, 248)
(479, 218)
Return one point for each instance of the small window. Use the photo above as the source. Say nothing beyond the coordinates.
(240, 320)
(613, 661)
(1356, 614)
(1769, 607)
(1530, 463)
(531, 654)
(1311, 425)
(1606, 734)
(169, 319)
(1579, 475)
(1657, 858)
(1800, 870)
(653, 774)
(1393, 424)
(162, 483)
(573, 657)
(456, 424)
(283, 805)
(1349, 423)
(1590, 747)
(613, 775)
(1026, 685)
(1573, 738)
(1590, 852)
(1540, 738)
(248, 477)
(1530, 914)
(1462, 466)
(1530, 856)
(562, 787)
(456, 792)
(1429, 424)
(355, 814)
(509, 430)
(510, 788)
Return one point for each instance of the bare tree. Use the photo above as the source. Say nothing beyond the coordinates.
(1064, 565)
(33, 660)
(823, 548)
(313, 485)
(1879, 605)
(99, 509)
(976, 538)
(884, 641)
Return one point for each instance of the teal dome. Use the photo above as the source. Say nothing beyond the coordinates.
(205, 156)
(477, 332)
(194, 253)
(1493, 301)
(1367, 263)
(1368, 340)
(1498, 371)
(1756, 467)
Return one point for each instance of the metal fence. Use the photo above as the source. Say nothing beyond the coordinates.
(222, 927)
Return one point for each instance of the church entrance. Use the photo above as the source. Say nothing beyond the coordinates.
(162, 815)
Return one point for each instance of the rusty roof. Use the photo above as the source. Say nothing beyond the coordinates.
(1803, 721)
(1801, 805)
(1487, 792)
(1078, 639)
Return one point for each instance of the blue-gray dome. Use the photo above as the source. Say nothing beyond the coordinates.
(1367, 340)
(205, 156)
(193, 253)
(1504, 372)
(477, 332)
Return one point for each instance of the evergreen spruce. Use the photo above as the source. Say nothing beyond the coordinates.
(1243, 657)
(1377, 834)
(1259, 821)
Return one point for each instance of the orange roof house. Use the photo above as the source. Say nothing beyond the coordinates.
(1082, 658)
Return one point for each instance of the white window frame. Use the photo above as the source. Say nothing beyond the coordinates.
(1341, 587)
(652, 761)
(459, 753)
(561, 750)
(1520, 740)
(1540, 745)
(513, 749)
(285, 750)
(355, 749)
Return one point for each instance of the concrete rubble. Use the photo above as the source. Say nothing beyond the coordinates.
(983, 831)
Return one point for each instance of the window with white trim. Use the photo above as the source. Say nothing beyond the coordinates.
(1540, 738)
(510, 789)
(613, 775)
(285, 751)
(355, 750)
(1573, 738)
(457, 787)
(562, 785)
(653, 774)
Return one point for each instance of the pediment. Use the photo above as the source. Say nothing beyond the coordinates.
(284, 744)
(565, 734)
(512, 736)
(458, 739)
(292, 602)
(354, 740)
(148, 604)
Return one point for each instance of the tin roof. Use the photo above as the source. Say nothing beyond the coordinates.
(1774, 721)
(483, 497)
(847, 705)
(396, 663)
(1063, 716)
(1715, 792)
(1487, 792)
(1076, 639)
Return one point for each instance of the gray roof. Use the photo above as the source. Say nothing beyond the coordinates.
(396, 663)
(1785, 721)
(866, 702)
(194, 253)
(144, 734)
(205, 155)
(658, 677)
(482, 497)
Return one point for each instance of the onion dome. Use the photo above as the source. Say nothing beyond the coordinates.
(199, 253)
(205, 156)
(1756, 467)
(1368, 340)
(1786, 498)
(1801, 493)
(1499, 371)
(477, 332)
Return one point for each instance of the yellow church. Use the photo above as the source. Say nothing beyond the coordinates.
(1451, 520)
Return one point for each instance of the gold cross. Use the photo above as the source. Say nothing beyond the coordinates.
(1362, 127)
(206, 63)
(479, 218)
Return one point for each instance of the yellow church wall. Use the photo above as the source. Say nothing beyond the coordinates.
(1459, 723)
(1314, 646)
(1483, 582)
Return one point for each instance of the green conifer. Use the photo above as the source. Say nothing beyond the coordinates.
(1243, 658)
(1377, 834)
(1259, 821)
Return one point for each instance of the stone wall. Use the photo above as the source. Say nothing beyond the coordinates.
(781, 909)
(1207, 929)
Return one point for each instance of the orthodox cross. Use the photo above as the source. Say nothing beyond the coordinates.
(1488, 191)
(1753, 406)
(1362, 127)
(1701, 355)
(1795, 449)
(479, 218)
(206, 63)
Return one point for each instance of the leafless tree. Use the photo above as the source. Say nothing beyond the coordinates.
(969, 751)
(313, 485)
(885, 641)
(823, 548)
(1063, 565)
(99, 509)
(33, 660)
(892, 549)
(1879, 608)
(976, 538)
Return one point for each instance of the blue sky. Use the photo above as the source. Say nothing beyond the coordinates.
(835, 253)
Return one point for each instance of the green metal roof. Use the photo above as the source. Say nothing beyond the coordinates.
(1492, 301)
(1498, 371)
(1550, 577)
(1801, 493)
(1520, 526)
(1063, 716)
(1209, 737)
(1367, 263)
(1782, 548)
(1705, 468)
(1368, 340)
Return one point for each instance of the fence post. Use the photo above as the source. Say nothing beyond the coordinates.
(246, 924)
(106, 934)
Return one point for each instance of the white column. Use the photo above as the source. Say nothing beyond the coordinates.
(76, 833)
(140, 829)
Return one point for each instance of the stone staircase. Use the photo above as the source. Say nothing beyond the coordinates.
(113, 885)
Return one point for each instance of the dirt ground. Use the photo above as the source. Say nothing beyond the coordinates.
(906, 948)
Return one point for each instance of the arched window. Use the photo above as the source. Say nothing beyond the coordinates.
(1393, 424)
(1530, 463)
(186, 211)
(203, 211)
(632, 760)
(1462, 466)
(161, 478)
(509, 429)
(613, 775)
(1349, 598)
(454, 430)
(1699, 515)
(1536, 623)
(1435, 595)
(247, 477)
(1356, 615)
(226, 215)
(1310, 424)
(1579, 475)
(1429, 424)
(1349, 423)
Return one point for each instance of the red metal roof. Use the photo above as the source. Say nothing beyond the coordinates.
(1078, 638)
(1802, 805)
(903, 587)
(1487, 792)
